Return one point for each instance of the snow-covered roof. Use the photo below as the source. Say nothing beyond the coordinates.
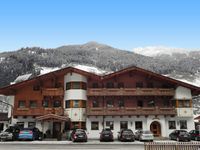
(22, 78)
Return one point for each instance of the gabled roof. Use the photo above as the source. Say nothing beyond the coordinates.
(153, 74)
(52, 117)
(98, 77)
(49, 75)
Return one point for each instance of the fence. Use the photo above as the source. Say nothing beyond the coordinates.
(172, 146)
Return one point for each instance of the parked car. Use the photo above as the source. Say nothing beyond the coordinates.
(195, 135)
(79, 135)
(126, 135)
(11, 133)
(106, 135)
(30, 134)
(144, 135)
(180, 135)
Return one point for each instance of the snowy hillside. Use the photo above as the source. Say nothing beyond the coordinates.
(153, 51)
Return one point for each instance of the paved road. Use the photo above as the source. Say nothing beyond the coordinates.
(31, 146)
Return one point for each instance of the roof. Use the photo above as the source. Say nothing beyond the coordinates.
(22, 78)
(4, 117)
(98, 77)
(52, 117)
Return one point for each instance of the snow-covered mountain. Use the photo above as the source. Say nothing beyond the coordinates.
(153, 51)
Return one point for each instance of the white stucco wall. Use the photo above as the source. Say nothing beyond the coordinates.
(75, 94)
(165, 131)
(76, 114)
(74, 77)
(182, 93)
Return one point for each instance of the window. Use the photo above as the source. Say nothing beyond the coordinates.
(151, 103)
(75, 125)
(184, 103)
(95, 85)
(67, 104)
(138, 125)
(21, 104)
(83, 104)
(166, 103)
(183, 124)
(109, 103)
(139, 85)
(56, 103)
(120, 85)
(31, 124)
(36, 88)
(95, 103)
(121, 103)
(20, 124)
(45, 103)
(68, 86)
(140, 103)
(1, 126)
(76, 85)
(149, 85)
(76, 104)
(110, 85)
(123, 124)
(95, 125)
(110, 125)
(33, 104)
(172, 124)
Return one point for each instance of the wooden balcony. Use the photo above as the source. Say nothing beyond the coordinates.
(100, 111)
(52, 92)
(37, 111)
(129, 92)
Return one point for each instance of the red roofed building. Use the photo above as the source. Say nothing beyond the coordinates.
(131, 98)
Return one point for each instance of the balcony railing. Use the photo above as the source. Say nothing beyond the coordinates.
(116, 111)
(129, 92)
(37, 111)
(52, 92)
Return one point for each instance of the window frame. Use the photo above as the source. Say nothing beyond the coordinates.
(96, 123)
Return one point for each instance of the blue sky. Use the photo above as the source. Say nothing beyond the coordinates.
(124, 24)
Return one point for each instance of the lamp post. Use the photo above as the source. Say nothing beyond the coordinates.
(11, 109)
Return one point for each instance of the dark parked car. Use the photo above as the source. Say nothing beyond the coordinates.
(30, 134)
(195, 135)
(126, 135)
(11, 133)
(78, 135)
(106, 135)
(180, 135)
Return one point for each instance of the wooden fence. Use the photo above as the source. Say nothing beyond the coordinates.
(172, 146)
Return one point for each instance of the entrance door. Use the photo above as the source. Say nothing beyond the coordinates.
(56, 129)
(155, 128)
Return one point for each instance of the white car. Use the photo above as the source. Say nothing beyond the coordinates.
(144, 135)
(6, 135)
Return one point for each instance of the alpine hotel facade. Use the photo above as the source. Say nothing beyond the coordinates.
(131, 98)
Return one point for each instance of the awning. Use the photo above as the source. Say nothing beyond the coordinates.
(52, 117)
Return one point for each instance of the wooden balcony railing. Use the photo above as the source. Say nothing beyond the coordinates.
(52, 92)
(129, 92)
(37, 111)
(100, 111)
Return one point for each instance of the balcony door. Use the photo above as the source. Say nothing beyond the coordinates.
(155, 128)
